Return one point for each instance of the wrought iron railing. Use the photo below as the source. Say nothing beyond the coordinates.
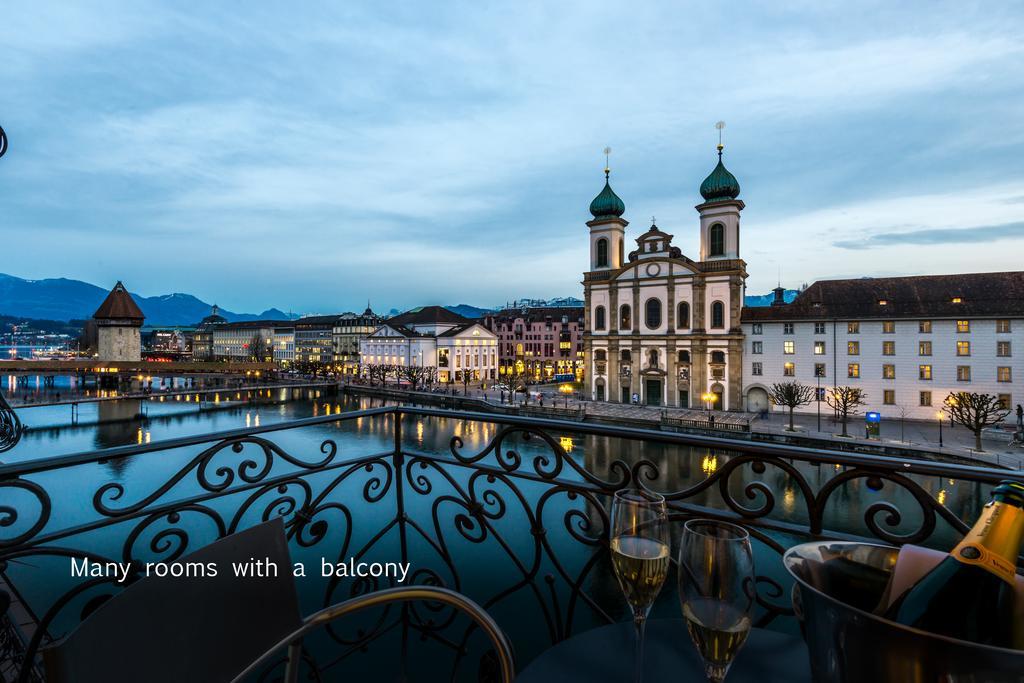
(519, 523)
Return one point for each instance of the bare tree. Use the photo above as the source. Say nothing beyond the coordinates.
(975, 411)
(516, 380)
(415, 375)
(257, 348)
(846, 401)
(792, 395)
(378, 372)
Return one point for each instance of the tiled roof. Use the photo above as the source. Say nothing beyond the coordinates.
(119, 305)
(427, 315)
(924, 296)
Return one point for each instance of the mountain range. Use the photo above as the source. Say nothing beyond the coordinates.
(64, 299)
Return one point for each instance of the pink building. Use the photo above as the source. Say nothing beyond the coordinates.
(546, 342)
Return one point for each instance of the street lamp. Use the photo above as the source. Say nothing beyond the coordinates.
(938, 416)
(709, 400)
(565, 390)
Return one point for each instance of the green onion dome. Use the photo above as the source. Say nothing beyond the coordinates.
(721, 185)
(607, 204)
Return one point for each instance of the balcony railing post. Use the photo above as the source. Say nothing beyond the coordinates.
(398, 458)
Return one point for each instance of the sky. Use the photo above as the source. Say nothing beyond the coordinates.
(310, 156)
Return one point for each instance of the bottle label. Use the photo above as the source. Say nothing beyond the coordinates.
(994, 541)
(977, 554)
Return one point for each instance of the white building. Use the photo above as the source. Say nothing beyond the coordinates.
(908, 342)
(662, 326)
(432, 336)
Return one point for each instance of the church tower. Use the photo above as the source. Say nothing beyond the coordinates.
(608, 228)
(720, 214)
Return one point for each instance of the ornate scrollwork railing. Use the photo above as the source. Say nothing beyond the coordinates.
(515, 520)
(11, 428)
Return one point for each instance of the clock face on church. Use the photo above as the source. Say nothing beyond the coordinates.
(653, 270)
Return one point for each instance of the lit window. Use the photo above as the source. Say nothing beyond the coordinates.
(755, 369)
(819, 348)
(883, 302)
(888, 372)
(963, 373)
(853, 348)
(789, 370)
(957, 300)
(788, 348)
(963, 348)
(852, 328)
(889, 397)
(853, 370)
(888, 348)
(924, 372)
(1002, 326)
(1003, 349)
(963, 325)
(888, 327)
(1004, 374)
(925, 398)
(924, 348)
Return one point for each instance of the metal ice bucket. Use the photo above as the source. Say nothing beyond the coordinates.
(837, 587)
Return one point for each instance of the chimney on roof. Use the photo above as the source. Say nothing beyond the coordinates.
(780, 296)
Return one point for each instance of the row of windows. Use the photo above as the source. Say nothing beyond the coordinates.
(924, 348)
(888, 327)
(652, 315)
(683, 356)
(924, 372)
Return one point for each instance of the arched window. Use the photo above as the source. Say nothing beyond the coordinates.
(602, 253)
(599, 318)
(626, 356)
(625, 317)
(653, 355)
(652, 313)
(716, 238)
(717, 315)
(718, 356)
(684, 356)
(683, 317)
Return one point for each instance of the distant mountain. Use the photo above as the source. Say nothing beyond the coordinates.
(63, 299)
(754, 300)
(467, 311)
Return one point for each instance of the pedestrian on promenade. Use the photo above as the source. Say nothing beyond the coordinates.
(1020, 417)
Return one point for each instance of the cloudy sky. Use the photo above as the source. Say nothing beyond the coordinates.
(311, 155)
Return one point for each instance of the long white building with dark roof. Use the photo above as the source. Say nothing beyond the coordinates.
(908, 342)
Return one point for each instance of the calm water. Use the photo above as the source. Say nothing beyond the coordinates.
(484, 568)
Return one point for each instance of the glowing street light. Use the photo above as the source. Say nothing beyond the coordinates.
(709, 399)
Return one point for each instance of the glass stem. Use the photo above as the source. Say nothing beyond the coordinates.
(639, 624)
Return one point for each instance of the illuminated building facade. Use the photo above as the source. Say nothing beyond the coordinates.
(432, 336)
(907, 342)
(349, 330)
(545, 342)
(662, 327)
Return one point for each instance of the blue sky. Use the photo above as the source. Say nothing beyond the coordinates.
(308, 156)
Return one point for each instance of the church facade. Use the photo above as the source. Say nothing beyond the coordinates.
(663, 328)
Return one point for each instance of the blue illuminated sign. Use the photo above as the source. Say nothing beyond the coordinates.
(873, 417)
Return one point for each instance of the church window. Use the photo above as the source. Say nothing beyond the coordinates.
(599, 318)
(652, 313)
(602, 253)
(683, 319)
(716, 236)
(717, 315)
(625, 317)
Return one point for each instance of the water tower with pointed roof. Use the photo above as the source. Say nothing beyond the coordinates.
(118, 323)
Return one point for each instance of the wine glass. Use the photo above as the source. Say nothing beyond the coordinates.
(640, 555)
(716, 591)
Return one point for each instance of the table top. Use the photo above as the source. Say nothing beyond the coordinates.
(606, 654)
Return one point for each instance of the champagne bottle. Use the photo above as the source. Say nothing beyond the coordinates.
(970, 595)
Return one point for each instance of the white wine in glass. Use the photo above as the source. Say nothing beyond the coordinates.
(639, 547)
(716, 591)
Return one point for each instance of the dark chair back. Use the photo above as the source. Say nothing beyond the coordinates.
(181, 629)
